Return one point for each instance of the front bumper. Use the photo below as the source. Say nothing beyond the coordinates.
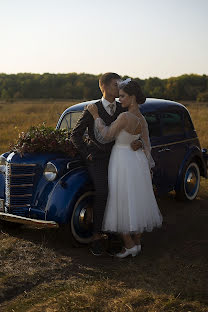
(34, 222)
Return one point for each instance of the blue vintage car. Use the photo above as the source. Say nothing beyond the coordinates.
(50, 190)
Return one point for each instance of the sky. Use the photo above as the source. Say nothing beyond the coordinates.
(138, 38)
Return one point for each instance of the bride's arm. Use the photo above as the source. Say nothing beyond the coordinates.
(103, 133)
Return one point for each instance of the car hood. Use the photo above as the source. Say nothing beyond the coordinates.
(34, 158)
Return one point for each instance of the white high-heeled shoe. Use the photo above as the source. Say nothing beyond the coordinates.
(128, 251)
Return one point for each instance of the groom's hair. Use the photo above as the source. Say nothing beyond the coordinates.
(106, 78)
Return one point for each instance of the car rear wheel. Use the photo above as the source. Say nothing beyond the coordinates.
(190, 182)
(82, 218)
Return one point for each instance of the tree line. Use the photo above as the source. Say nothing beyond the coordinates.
(85, 86)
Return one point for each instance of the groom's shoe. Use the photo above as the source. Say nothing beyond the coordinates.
(97, 248)
(139, 248)
(113, 246)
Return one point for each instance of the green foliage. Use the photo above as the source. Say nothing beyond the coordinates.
(4, 94)
(44, 139)
(154, 87)
(85, 86)
(185, 87)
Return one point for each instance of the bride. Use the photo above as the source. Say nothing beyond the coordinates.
(131, 206)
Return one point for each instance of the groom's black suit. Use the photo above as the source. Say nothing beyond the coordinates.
(98, 167)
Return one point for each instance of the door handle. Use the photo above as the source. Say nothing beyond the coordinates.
(164, 150)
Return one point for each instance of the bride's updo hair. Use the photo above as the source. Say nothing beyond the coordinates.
(133, 88)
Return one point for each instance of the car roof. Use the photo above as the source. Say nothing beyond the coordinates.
(151, 104)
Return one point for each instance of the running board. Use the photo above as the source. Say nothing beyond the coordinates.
(28, 221)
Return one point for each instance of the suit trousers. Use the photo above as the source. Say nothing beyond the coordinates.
(98, 170)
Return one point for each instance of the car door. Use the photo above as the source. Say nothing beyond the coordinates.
(154, 126)
(173, 148)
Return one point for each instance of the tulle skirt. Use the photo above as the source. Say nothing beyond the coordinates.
(131, 205)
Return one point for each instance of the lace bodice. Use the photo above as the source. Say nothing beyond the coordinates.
(122, 130)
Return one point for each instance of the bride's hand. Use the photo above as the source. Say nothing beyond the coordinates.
(92, 108)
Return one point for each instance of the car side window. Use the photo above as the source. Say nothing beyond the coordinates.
(172, 123)
(153, 124)
(69, 121)
(188, 126)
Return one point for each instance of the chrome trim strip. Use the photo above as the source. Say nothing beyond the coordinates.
(7, 187)
(19, 165)
(176, 142)
(22, 175)
(24, 195)
(29, 221)
(21, 185)
(20, 206)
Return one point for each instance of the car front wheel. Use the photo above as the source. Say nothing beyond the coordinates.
(189, 185)
(82, 218)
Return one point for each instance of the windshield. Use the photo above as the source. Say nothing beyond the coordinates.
(69, 121)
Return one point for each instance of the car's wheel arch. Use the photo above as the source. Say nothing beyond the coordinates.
(189, 180)
(197, 159)
(194, 155)
(64, 196)
(84, 194)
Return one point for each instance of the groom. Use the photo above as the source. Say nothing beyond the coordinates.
(96, 154)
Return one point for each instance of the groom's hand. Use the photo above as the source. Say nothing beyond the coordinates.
(136, 144)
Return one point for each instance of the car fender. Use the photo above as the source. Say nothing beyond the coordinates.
(62, 198)
(192, 153)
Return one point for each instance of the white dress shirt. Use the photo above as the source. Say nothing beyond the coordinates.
(106, 103)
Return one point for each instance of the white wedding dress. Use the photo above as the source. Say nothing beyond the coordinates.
(131, 205)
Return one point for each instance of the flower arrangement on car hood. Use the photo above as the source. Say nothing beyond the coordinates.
(44, 139)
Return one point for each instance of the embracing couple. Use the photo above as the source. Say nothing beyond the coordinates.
(118, 157)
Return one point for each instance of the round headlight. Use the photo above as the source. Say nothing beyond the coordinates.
(50, 172)
(2, 164)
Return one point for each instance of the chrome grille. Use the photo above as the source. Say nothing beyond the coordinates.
(19, 187)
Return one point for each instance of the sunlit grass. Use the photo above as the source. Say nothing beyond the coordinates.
(199, 115)
(19, 116)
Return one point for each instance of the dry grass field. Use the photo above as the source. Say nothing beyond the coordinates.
(199, 115)
(40, 271)
(20, 115)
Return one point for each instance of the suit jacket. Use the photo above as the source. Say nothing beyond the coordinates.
(86, 122)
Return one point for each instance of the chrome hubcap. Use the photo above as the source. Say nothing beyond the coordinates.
(85, 217)
(192, 179)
